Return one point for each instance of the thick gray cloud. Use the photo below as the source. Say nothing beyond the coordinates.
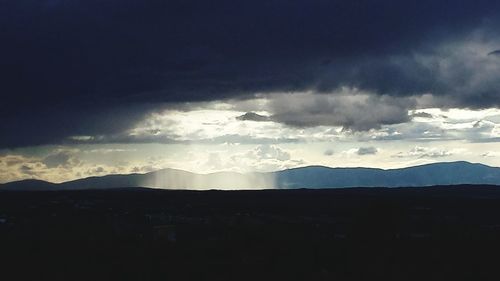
(61, 158)
(349, 109)
(95, 67)
(26, 170)
(328, 152)
(57, 159)
(422, 115)
(370, 150)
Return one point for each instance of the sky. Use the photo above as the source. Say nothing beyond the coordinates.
(90, 87)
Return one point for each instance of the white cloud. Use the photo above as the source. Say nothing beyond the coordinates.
(269, 152)
(424, 152)
(494, 154)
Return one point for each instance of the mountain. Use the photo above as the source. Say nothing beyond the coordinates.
(176, 179)
(29, 185)
(449, 173)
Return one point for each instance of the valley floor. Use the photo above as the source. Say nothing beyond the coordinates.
(439, 233)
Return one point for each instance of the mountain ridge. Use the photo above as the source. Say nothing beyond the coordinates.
(315, 176)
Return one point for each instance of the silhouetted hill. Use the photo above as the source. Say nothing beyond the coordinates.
(29, 185)
(450, 173)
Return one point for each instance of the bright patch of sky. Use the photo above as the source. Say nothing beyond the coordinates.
(211, 137)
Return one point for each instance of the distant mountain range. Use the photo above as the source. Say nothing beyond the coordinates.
(449, 173)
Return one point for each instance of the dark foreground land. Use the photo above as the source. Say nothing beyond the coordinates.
(441, 233)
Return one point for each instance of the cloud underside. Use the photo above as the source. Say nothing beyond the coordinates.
(88, 68)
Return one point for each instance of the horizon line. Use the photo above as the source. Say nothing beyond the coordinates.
(270, 172)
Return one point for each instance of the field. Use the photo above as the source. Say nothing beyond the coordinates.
(438, 233)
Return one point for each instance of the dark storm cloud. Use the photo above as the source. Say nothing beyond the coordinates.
(349, 109)
(81, 67)
(422, 115)
(494, 53)
(252, 116)
(26, 124)
(125, 138)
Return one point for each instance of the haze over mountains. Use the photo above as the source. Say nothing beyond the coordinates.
(449, 173)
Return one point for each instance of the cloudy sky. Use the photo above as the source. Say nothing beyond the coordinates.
(95, 87)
